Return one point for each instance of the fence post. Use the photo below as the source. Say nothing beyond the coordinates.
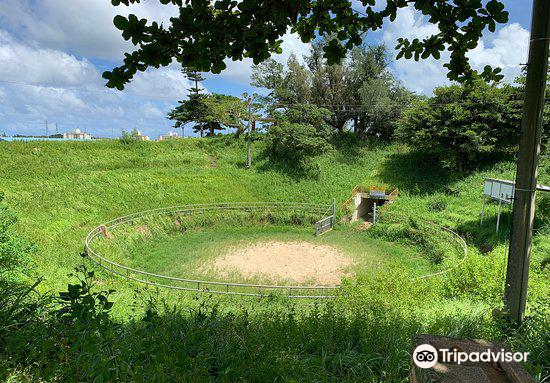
(374, 214)
(482, 211)
(499, 211)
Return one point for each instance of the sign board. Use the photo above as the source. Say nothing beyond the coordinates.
(500, 190)
(378, 192)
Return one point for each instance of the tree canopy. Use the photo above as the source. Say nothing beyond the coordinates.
(303, 133)
(463, 125)
(205, 33)
(213, 112)
(360, 89)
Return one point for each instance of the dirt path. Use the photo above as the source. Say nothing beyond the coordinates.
(296, 262)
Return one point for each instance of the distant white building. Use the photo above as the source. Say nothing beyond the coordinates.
(168, 136)
(77, 135)
(143, 138)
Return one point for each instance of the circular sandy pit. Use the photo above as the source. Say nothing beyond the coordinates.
(291, 262)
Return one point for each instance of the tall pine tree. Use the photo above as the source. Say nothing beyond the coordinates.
(196, 97)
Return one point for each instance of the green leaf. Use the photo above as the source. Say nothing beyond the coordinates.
(120, 22)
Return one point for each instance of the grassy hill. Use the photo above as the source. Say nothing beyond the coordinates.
(60, 190)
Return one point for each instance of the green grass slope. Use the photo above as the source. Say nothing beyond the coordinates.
(61, 190)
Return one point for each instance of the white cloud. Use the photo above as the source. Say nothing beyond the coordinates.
(32, 65)
(507, 49)
(240, 71)
(82, 27)
(421, 76)
(41, 84)
(292, 44)
(151, 111)
(85, 29)
(163, 83)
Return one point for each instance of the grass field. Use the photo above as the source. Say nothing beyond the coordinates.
(182, 255)
(61, 190)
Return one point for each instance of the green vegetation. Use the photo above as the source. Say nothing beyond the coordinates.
(203, 36)
(181, 255)
(15, 251)
(60, 190)
(213, 112)
(129, 138)
(360, 89)
(467, 126)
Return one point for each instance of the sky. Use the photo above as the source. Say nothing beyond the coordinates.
(53, 52)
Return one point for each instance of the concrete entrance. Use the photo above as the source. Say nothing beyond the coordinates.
(365, 203)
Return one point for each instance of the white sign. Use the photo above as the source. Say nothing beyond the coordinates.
(379, 192)
(500, 190)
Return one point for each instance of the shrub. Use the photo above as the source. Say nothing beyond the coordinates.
(463, 125)
(479, 278)
(291, 142)
(129, 138)
(14, 251)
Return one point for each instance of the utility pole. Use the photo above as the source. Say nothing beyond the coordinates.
(46, 128)
(517, 273)
(249, 140)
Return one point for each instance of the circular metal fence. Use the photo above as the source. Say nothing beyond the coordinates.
(228, 288)
(321, 212)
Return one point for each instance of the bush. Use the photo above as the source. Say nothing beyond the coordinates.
(14, 251)
(129, 138)
(463, 125)
(291, 142)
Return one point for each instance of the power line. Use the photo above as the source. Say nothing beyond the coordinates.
(362, 106)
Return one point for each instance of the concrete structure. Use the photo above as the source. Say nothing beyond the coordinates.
(365, 202)
(168, 136)
(77, 135)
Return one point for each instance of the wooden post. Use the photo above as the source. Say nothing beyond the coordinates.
(498, 216)
(249, 139)
(483, 209)
(517, 272)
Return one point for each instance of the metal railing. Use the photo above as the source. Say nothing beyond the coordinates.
(327, 223)
(461, 242)
(215, 287)
(387, 217)
(230, 288)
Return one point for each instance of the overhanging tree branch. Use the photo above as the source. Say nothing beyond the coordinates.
(208, 32)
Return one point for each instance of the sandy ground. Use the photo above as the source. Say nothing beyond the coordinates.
(296, 262)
